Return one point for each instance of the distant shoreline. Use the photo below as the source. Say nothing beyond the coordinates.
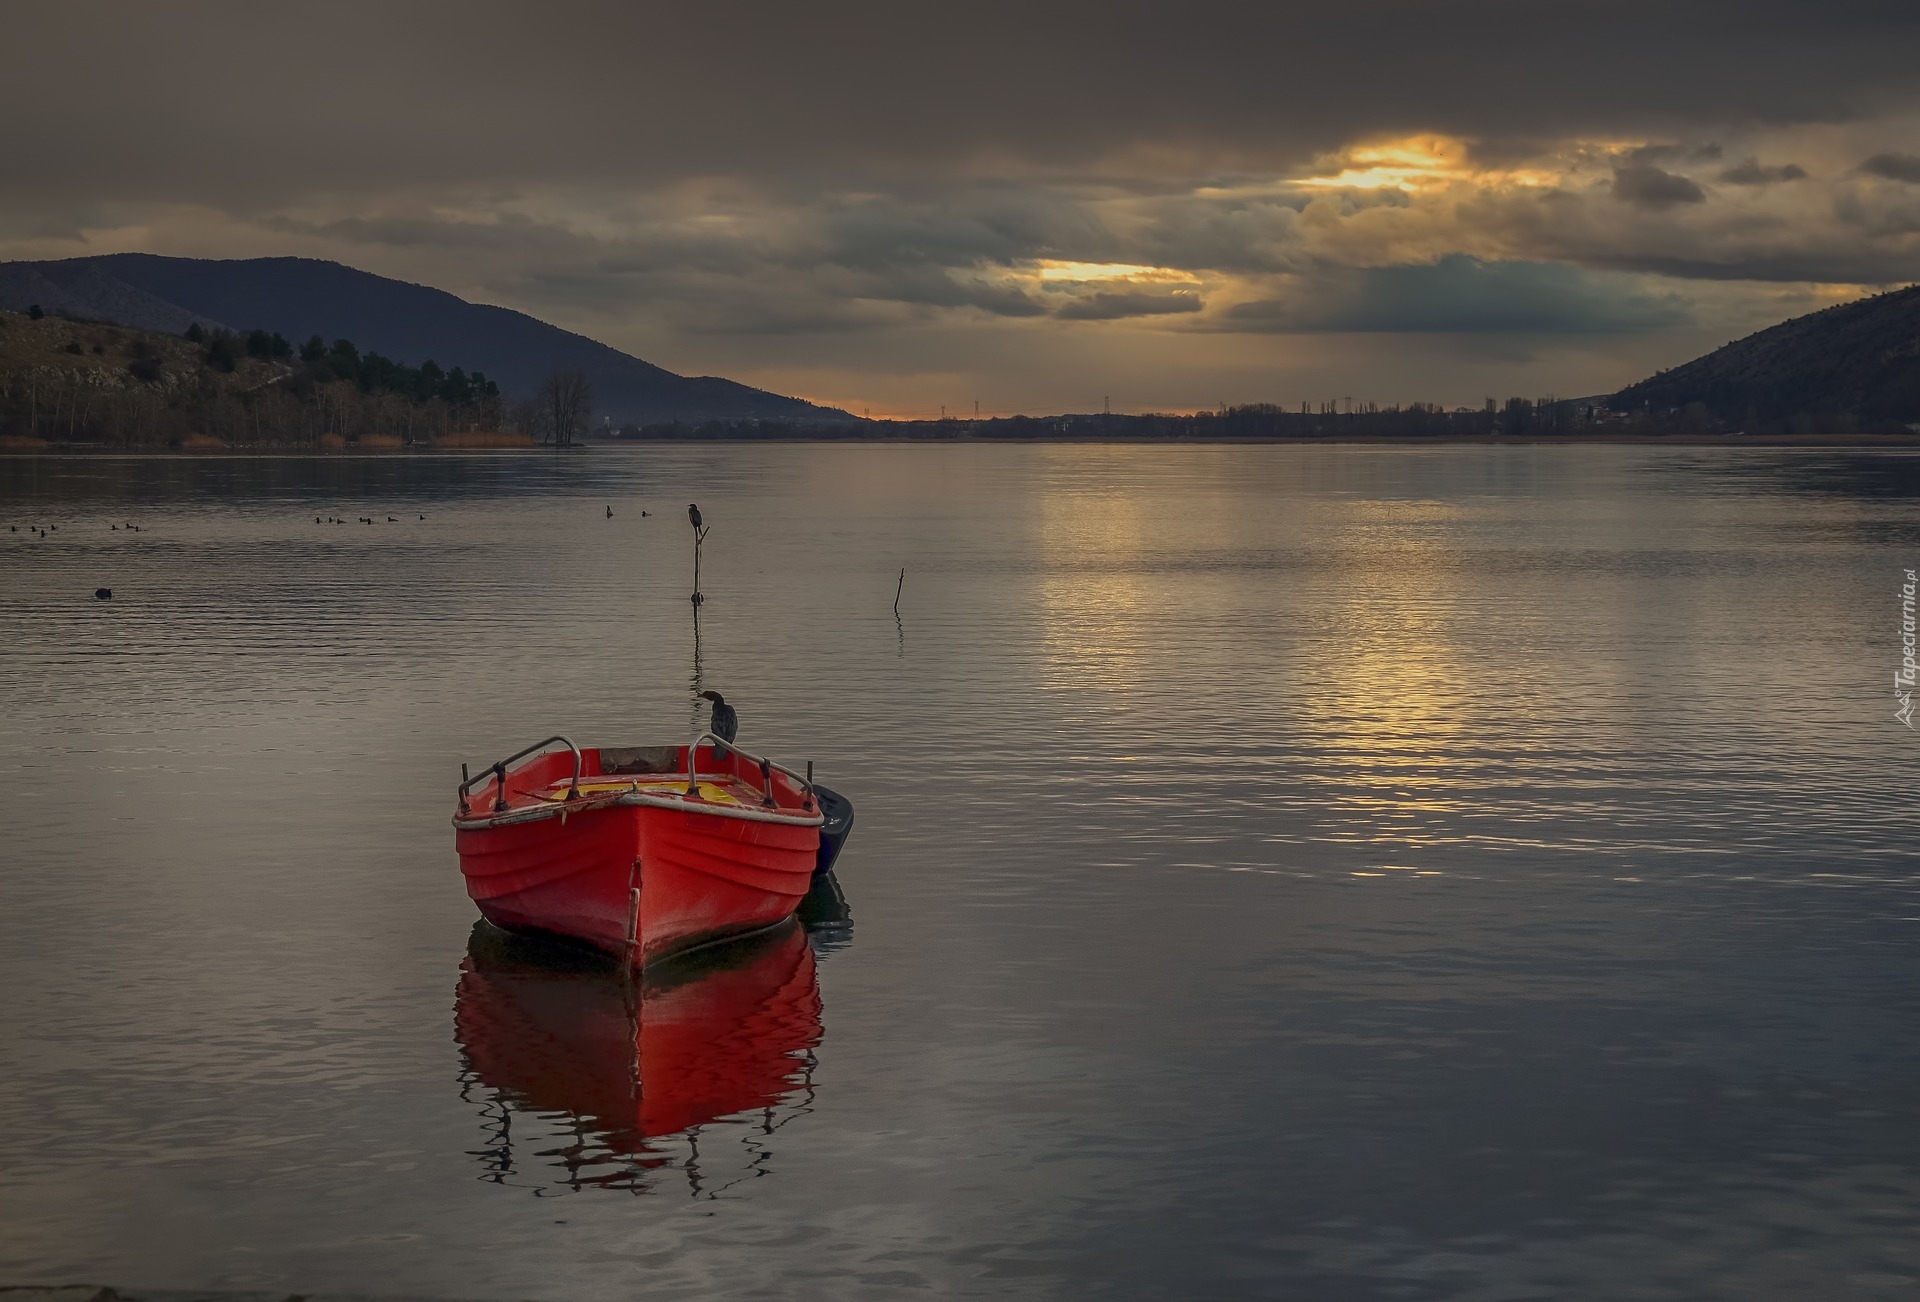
(1108, 440)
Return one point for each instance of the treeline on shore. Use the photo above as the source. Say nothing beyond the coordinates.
(1518, 417)
(91, 382)
(1522, 418)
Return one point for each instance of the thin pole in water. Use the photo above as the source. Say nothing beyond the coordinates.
(699, 536)
(896, 589)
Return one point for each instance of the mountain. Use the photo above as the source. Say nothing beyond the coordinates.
(1855, 367)
(299, 297)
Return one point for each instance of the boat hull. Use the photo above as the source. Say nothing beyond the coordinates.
(639, 881)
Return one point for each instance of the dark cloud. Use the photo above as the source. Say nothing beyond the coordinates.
(1753, 172)
(1827, 266)
(1112, 306)
(935, 287)
(1462, 295)
(964, 225)
(1894, 167)
(501, 230)
(1667, 153)
(262, 103)
(1649, 187)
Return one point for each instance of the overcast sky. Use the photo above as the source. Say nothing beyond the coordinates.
(1035, 206)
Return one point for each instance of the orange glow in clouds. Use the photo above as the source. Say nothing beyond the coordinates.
(1081, 273)
(1415, 163)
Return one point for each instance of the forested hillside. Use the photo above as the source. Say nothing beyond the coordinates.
(303, 296)
(1852, 368)
(63, 380)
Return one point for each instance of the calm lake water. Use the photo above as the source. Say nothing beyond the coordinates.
(1322, 873)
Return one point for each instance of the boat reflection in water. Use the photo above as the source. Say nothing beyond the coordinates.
(593, 1077)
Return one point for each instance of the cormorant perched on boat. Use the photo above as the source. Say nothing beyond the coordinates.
(726, 723)
(693, 514)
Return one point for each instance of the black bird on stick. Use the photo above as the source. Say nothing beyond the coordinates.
(726, 723)
(693, 514)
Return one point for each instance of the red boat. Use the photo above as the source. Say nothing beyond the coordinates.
(638, 852)
(708, 1036)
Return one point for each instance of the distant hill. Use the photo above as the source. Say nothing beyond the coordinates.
(1855, 367)
(300, 297)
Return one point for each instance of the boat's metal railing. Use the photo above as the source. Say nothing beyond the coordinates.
(767, 769)
(499, 774)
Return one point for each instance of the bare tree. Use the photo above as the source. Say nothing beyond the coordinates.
(567, 402)
(529, 418)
